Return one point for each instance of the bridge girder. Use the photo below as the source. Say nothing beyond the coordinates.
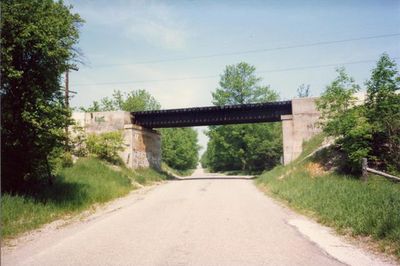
(213, 115)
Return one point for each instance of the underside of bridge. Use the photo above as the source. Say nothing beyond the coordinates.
(213, 115)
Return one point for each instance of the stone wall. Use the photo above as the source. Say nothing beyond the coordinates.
(142, 146)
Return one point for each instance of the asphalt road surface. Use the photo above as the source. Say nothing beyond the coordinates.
(202, 220)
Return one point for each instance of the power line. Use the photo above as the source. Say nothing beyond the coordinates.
(251, 51)
(214, 76)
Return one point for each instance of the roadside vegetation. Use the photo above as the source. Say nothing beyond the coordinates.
(96, 177)
(40, 182)
(82, 186)
(365, 130)
(39, 41)
(166, 168)
(339, 200)
(325, 182)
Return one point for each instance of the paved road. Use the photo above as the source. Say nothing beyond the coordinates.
(198, 221)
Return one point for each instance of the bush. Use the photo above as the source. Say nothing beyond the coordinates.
(66, 160)
(78, 140)
(371, 130)
(106, 146)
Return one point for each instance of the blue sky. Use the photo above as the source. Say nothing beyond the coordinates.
(118, 36)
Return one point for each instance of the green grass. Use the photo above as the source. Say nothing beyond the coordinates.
(168, 168)
(76, 189)
(369, 208)
(240, 172)
(146, 176)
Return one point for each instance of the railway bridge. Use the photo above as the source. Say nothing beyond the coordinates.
(143, 142)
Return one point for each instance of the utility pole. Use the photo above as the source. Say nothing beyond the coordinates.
(66, 105)
(67, 90)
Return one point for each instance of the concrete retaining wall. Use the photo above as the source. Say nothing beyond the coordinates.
(142, 146)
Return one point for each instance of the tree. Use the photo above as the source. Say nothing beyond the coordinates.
(371, 130)
(38, 45)
(136, 100)
(248, 147)
(336, 101)
(179, 148)
(251, 147)
(345, 121)
(303, 91)
(383, 105)
(239, 85)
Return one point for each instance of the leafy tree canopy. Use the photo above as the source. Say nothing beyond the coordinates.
(239, 85)
(251, 147)
(136, 100)
(38, 44)
(371, 130)
(383, 111)
(179, 148)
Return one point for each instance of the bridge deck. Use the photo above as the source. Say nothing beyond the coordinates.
(213, 115)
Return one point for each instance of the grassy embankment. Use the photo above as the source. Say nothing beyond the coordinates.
(171, 170)
(344, 202)
(77, 188)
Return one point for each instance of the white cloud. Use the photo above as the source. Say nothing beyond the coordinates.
(155, 32)
(157, 24)
(154, 23)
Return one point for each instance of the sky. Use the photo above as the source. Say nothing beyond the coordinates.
(177, 50)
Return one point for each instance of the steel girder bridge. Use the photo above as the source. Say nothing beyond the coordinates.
(213, 115)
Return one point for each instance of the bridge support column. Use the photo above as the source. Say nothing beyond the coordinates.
(143, 147)
(298, 127)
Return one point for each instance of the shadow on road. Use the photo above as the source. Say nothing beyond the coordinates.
(215, 178)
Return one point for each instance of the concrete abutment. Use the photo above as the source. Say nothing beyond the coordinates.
(298, 127)
(142, 146)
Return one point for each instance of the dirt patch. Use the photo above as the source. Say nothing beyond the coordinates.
(316, 169)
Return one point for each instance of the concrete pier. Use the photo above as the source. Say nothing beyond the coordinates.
(298, 127)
